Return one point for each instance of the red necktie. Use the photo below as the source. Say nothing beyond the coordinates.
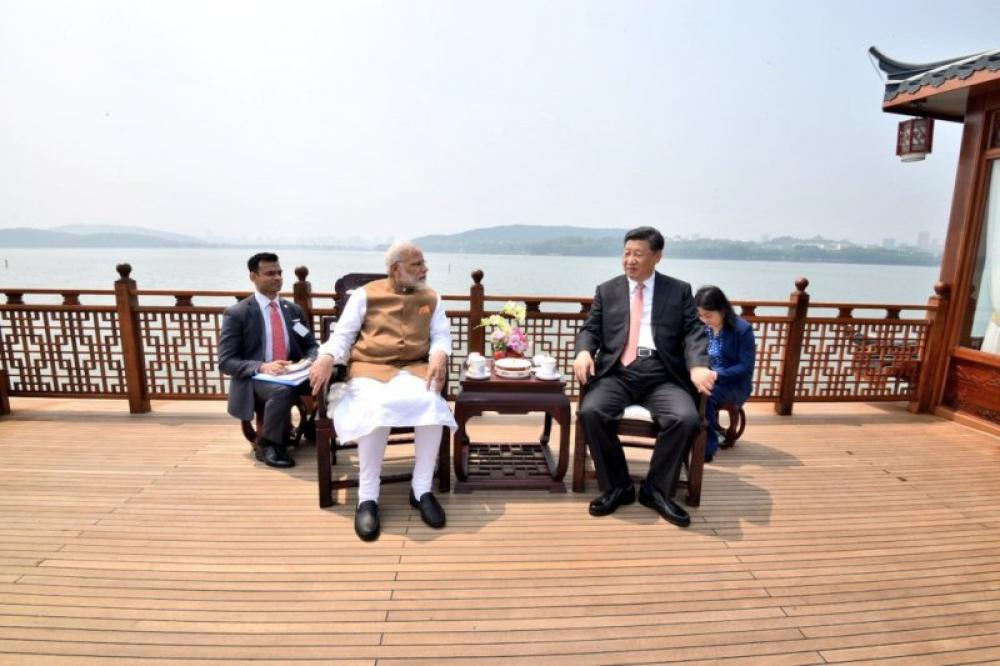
(634, 324)
(278, 352)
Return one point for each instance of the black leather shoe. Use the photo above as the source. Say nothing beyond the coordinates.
(283, 455)
(430, 511)
(366, 523)
(269, 455)
(667, 508)
(606, 504)
(709, 457)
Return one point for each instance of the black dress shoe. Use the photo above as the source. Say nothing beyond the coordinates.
(667, 508)
(607, 503)
(272, 456)
(366, 523)
(282, 451)
(709, 457)
(430, 511)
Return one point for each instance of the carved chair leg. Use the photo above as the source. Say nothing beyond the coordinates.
(579, 460)
(324, 465)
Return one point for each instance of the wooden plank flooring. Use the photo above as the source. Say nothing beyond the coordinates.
(847, 533)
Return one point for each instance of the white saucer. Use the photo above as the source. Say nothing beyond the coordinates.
(547, 378)
(470, 375)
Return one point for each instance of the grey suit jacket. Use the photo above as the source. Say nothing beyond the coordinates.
(679, 336)
(241, 348)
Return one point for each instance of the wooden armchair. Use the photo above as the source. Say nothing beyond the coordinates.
(327, 444)
(637, 429)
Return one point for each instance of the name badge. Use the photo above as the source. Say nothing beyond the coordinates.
(301, 330)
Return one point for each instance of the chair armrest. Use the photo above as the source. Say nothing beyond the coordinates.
(339, 375)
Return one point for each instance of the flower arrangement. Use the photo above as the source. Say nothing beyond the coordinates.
(507, 337)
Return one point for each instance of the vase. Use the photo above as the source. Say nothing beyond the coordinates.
(506, 353)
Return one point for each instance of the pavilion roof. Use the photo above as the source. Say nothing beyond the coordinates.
(937, 89)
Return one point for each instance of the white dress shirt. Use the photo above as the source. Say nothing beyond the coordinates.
(646, 330)
(265, 309)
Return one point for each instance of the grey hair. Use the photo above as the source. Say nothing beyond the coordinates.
(396, 252)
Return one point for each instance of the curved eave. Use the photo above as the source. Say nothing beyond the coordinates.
(946, 101)
(938, 89)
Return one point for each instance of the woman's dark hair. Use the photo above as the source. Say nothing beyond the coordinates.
(711, 298)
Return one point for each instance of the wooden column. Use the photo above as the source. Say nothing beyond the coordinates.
(128, 323)
(477, 334)
(798, 307)
(303, 293)
(4, 393)
(935, 354)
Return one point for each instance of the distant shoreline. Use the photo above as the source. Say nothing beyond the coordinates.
(812, 258)
(511, 240)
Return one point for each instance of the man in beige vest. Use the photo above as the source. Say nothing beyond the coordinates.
(397, 338)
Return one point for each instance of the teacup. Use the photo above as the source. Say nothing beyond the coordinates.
(537, 359)
(477, 364)
(547, 367)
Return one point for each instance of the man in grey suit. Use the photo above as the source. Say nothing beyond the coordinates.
(265, 334)
(651, 350)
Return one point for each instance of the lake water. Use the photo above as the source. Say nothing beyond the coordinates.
(225, 269)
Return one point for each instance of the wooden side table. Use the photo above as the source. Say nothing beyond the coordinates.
(511, 465)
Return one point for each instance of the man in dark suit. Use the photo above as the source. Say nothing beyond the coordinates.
(265, 334)
(651, 350)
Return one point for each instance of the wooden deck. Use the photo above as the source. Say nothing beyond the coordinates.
(846, 533)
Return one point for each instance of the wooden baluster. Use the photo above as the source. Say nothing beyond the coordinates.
(184, 300)
(70, 298)
(934, 358)
(128, 322)
(798, 307)
(15, 298)
(477, 334)
(303, 293)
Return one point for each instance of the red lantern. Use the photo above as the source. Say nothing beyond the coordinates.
(914, 139)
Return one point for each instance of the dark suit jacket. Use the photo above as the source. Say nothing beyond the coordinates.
(241, 348)
(681, 342)
(738, 356)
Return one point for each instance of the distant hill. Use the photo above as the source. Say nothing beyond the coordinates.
(527, 239)
(27, 237)
(588, 242)
(97, 229)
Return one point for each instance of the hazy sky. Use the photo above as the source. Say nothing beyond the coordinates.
(398, 119)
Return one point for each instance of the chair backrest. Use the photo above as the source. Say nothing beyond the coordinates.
(348, 283)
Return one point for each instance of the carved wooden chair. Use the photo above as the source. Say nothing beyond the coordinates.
(737, 424)
(638, 429)
(327, 444)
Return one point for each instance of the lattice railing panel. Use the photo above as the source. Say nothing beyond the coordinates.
(459, 320)
(181, 352)
(860, 359)
(555, 335)
(62, 350)
(770, 334)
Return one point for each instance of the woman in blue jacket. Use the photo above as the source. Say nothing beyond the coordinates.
(731, 352)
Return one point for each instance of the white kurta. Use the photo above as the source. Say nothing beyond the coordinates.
(363, 404)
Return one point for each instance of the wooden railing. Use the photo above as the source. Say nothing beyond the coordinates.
(136, 344)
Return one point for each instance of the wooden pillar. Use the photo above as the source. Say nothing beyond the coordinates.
(303, 293)
(934, 359)
(477, 334)
(4, 393)
(798, 307)
(128, 323)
